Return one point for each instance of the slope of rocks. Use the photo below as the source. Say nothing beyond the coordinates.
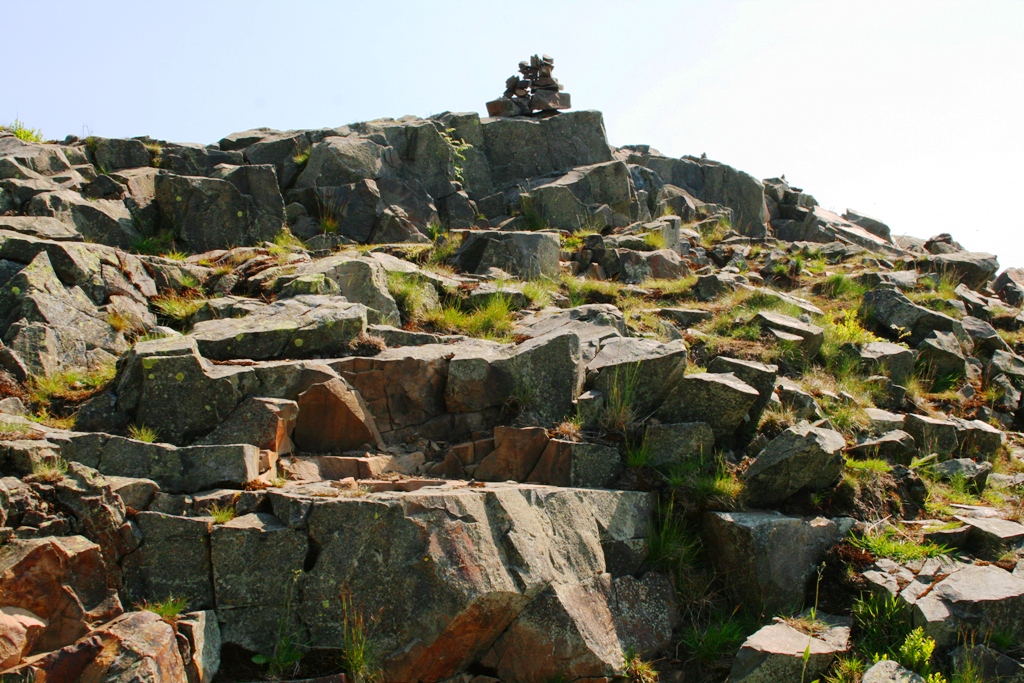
(501, 401)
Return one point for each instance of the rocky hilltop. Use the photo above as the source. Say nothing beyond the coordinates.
(454, 399)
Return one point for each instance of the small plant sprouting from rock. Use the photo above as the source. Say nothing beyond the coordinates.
(284, 659)
(50, 470)
(365, 344)
(168, 609)
(222, 514)
(359, 650)
(142, 433)
(636, 669)
(23, 132)
(458, 149)
(620, 409)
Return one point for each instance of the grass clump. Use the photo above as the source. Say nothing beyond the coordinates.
(178, 308)
(141, 433)
(880, 627)
(155, 244)
(360, 651)
(492, 319)
(285, 243)
(413, 297)
(302, 157)
(709, 643)
(636, 669)
(17, 430)
(50, 470)
(574, 241)
(222, 515)
(654, 240)
(638, 453)
(895, 544)
(846, 670)
(71, 386)
(582, 291)
(283, 660)
(168, 609)
(620, 407)
(23, 132)
(840, 286)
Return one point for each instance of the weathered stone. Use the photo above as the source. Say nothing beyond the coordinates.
(932, 435)
(568, 463)
(592, 323)
(173, 560)
(721, 400)
(941, 357)
(888, 671)
(44, 227)
(361, 281)
(872, 225)
(61, 580)
(802, 457)
(340, 161)
(19, 631)
(519, 148)
(991, 664)
(985, 338)
(895, 447)
(515, 455)
(191, 205)
(249, 604)
(266, 423)
(780, 652)
(203, 634)
(767, 558)
(971, 268)
(299, 327)
(565, 203)
(105, 221)
(885, 358)
(642, 369)
(333, 417)
(673, 443)
(812, 335)
(529, 255)
(758, 375)
(991, 537)
(890, 312)
(714, 285)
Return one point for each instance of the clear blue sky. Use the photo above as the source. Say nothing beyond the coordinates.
(911, 111)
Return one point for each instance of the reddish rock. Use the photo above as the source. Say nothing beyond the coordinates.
(19, 631)
(62, 580)
(266, 423)
(515, 454)
(333, 417)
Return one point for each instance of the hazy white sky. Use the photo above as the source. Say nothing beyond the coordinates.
(910, 111)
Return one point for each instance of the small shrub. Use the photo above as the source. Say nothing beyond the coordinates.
(364, 344)
(168, 609)
(23, 132)
(846, 670)
(458, 149)
(880, 625)
(891, 544)
(140, 433)
(50, 470)
(222, 515)
(301, 158)
(568, 430)
(916, 652)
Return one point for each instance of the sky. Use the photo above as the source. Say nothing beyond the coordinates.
(912, 112)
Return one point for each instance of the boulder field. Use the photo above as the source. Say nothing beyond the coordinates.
(490, 400)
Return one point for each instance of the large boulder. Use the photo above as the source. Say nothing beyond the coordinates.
(529, 255)
(173, 560)
(641, 370)
(307, 326)
(721, 400)
(941, 358)
(769, 559)
(519, 148)
(592, 323)
(781, 652)
(758, 375)
(568, 202)
(102, 220)
(359, 280)
(888, 311)
(214, 213)
(885, 358)
(809, 337)
(971, 268)
(342, 160)
(333, 417)
(802, 457)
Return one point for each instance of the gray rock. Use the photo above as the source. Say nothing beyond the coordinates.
(885, 358)
(941, 358)
(890, 312)
(975, 473)
(43, 227)
(113, 154)
(986, 340)
(580, 465)
(811, 335)
(249, 603)
(213, 213)
(991, 537)
(173, 559)
(299, 327)
(528, 255)
(977, 438)
(673, 443)
(104, 221)
(341, 161)
(360, 281)
(802, 457)
(134, 491)
(758, 375)
(566, 203)
(888, 671)
(714, 285)
(685, 317)
(518, 148)
(769, 559)
(592, 323)
(895, 447)
(642, 369)
(203, 634)
(780, 652)
(872, 225)
(971, 268)
(993, 665)
(720, 400)
(793, 397)
(932, 435)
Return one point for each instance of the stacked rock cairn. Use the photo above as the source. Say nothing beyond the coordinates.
(534, 92)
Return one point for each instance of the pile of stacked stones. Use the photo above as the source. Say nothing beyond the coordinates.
(534, 90)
